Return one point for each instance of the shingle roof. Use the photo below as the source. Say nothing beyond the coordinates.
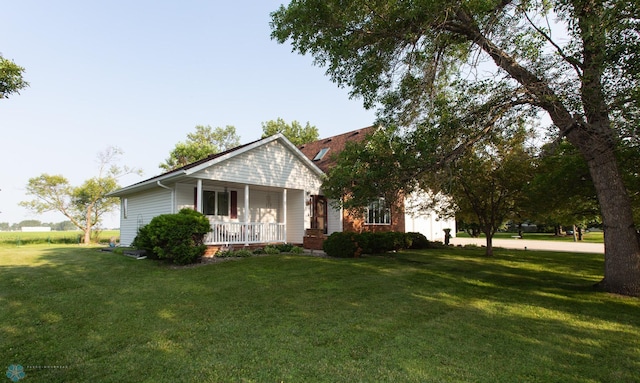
(335, 145)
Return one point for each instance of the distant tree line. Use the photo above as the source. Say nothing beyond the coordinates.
(60, 226)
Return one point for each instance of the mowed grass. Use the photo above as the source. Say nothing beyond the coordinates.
(73, 314)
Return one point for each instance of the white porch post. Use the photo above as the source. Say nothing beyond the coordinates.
(199, 196)
(284, 213)
(246, 215)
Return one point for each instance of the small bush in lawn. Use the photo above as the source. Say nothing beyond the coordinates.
(176, 237)
(418, 241)
(296, 250)
(243, 253)
(346, 245)
(271, 250)
(341, 245)
(383, 242)
(368, 242)
(284, 247)
(224, 253)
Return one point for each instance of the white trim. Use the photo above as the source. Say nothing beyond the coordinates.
(199, 196)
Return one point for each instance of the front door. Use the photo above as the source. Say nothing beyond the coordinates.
(319, 213)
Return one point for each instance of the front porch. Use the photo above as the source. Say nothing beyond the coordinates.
(248, 215)
(246, 234)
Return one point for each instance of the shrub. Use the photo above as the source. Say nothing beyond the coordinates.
(243, 253)
(296, 250)
(176, 237)
(230, 253)
(284, 247)
(346, 244)
(272, 250)
(341, 245)
(418, 241)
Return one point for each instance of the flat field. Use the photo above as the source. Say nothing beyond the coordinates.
(19, 238)
(70, 313)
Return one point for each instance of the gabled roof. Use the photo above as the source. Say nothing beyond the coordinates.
(333, 146)
(187, 170)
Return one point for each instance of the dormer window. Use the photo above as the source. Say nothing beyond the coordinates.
(321, 154)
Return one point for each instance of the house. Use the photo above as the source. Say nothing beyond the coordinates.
(266, 191)
(378, 217)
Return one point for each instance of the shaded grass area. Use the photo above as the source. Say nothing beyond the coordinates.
(590, 237)
(447, 315)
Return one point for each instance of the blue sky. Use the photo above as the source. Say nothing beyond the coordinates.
(140, 75)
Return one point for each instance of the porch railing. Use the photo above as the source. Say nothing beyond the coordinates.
(236, 233)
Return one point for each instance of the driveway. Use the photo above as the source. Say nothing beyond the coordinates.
(531, 244)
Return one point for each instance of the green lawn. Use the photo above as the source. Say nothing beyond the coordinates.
(592, 237)
(74, 314)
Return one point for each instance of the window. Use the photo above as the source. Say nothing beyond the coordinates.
(215, 203)
(319, 213)
(378, 213)
(223, 203)
(321, 154)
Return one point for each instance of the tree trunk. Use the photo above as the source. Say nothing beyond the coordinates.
(591, 134)
(622, 248)
(489, 249)
(87, 229)
(580, 238)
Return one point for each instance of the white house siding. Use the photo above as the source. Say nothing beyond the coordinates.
(141, 208)
(269, 165)
(184, 196)
(334, 219)
(264, 206)
(296, 216)
(427, 222)
(430, 225)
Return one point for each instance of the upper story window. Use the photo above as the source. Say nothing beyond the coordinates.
(321, 154)
(378, 213)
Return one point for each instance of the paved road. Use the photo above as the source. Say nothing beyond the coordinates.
(522, 244)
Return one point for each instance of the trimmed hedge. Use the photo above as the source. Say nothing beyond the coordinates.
(176, 237)
(350, 245)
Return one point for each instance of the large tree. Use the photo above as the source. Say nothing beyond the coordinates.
(486, 183)
(200, 144)
(84, 205)
(577, 61)
(11, 80)
(294, 132)
(562, 193)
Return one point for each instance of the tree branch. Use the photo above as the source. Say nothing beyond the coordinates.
(577, 65)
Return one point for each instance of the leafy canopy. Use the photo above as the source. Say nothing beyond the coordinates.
(11, 80)
(294, 132)
(200, 144)
(83, 205)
